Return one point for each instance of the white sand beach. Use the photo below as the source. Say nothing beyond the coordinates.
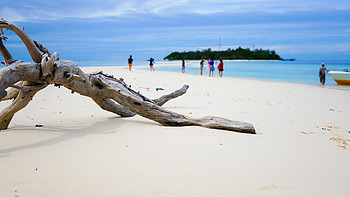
(302, 147)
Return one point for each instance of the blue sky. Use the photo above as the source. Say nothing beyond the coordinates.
(111, 30)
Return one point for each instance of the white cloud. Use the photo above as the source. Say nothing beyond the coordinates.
(272, 6)
(165, 6)
(11, 14)
(24, 10)
(112, 11)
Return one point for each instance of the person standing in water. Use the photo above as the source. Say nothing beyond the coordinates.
(322, 74)
(201, 64)
(211, 67)
(221, 67)
(151, 62)
(183, 66)
(130, 60)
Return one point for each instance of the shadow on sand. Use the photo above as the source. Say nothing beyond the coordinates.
(108, 126)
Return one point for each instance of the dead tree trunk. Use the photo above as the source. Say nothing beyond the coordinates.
(22, 80)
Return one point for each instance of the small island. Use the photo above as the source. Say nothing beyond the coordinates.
(229, 54)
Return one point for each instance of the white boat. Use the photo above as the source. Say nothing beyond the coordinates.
(341, 77)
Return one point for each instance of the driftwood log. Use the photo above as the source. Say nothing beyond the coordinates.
(22, 80)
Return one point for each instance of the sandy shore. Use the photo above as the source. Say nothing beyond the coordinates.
(302, 149)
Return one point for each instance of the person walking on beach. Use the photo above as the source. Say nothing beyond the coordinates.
(130, 60)
(201, 64)
(322, 74)
(221, 67)
(183, 66)
(151, 62)
(211, 67)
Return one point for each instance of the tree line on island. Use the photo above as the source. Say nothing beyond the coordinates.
(229, 54)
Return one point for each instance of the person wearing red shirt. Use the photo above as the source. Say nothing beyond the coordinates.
(221, 67)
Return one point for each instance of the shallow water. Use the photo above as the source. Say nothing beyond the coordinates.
(299, 71)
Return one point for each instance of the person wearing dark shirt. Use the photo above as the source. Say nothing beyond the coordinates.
(130, 60)
(322, 74)
(183, 66)
(201, 66)
(151, 62)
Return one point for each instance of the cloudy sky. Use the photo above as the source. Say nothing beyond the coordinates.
(111, 30)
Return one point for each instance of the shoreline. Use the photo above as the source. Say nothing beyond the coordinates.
(237, 60)
(296, 72)
(302, 147)
(332, 86)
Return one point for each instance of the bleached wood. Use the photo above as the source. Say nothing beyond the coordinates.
(47, 63)
(165, 98)
(4, 52)
(105, 90)
(111, 106)
(28, 42)
(21, 101)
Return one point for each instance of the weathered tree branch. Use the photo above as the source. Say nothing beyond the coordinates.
(111, 106)
(105, 90)
(47, 63)
(41, 48)
(165, 98)
(10, 94)
(23, 98)
(32, 49)
(18, 71)
(13, 91)
(4, 52)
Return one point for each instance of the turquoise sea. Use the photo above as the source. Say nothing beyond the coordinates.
(299, 71)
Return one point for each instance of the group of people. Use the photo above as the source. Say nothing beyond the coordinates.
(321, 74)
(210, 67)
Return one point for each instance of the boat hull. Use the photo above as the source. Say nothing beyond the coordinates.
(342, 78)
